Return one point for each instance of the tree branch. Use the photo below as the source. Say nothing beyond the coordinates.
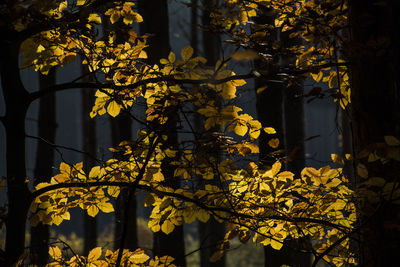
(170, 79)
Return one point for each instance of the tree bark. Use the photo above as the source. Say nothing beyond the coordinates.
(17, 102)
(375, 101)
(44, 162)
(89, 146)
(156, 22)
(211, 232)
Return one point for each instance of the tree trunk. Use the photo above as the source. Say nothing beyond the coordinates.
(212, 232)
(121, 131)
(17, 102)
(375, 114)
(156, 22)
(89, 146)
(44, 162)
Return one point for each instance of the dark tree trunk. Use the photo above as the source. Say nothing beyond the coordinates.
(44, 162)
(89, 146)
(212, 232)
(156, 22)
(17, 102)
(121, 131)
(375, 114)
(269, 110)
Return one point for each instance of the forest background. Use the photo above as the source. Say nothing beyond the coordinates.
(319, 141)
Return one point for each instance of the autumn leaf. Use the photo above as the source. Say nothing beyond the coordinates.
(337, 159)
(269, 130)
(94, 18)
(105, 207)
(362, 170)
(186, 53)
(274, 142)
(92, 210)
(113, 108)
(261, 89)
(392, 141)
(245, 55)
(167, 227)
(276, 244)
(55, 253)
(94, 254)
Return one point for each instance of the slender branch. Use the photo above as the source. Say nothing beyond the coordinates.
(171, 79)
(88, 85)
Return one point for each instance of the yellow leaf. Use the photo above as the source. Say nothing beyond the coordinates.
(113, 191)
(94, 18)
(318, 76)
(392, 141)
(269, 130)
(113, 108)
(114, 17)
(362, 170)
(137, 17)
(245, 55)
(92, 210)
(261, 89)
(240, 129)
(186, 53)
(139, 258)
(276, 244)
(203, 215)
(285, 176)
(170, 153)
(348, 156)
(94, 254)
(171, 57)
(274, 142)
(63, 6)
(375, 181)
(337, 159)
(338, 205)
(94, 172)
(276, 167)
(80, 2)
(55, 253)
(167, 227)
(228, 91)
(158, 177)
(105, 207)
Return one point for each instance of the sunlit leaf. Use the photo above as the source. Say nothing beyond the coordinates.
(269, 130)
(186, 53)
(274, 142)
(94, 18)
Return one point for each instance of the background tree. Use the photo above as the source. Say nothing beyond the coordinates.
(263, 202)
(44, 160)
(156, 23)
(374, 58)
(89, 147)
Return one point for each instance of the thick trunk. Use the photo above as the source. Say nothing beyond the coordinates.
(375, 114)
(156, 22)
(212, 232)
(89, 146)
(16, 99)
(121, 130)
(44, 162)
